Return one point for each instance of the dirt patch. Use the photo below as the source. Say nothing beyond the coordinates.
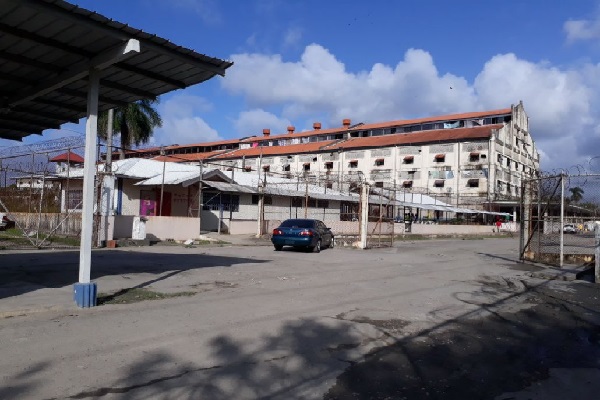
(135, 295)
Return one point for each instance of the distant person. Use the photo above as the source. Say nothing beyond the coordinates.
(498, 224)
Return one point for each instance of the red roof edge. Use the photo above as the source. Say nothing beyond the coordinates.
(68, 157)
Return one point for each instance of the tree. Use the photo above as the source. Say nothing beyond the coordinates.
(134, 122)
(576, 194)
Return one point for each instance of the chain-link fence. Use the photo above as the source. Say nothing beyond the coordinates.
(381, 213)
(309, 197)
(40, 201)
(559, 217)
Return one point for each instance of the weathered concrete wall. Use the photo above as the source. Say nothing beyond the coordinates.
(426, 229)
(177, 228)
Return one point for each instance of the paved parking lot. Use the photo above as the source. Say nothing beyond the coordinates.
(256, 323)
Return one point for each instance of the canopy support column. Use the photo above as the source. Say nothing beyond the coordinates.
(85, 291)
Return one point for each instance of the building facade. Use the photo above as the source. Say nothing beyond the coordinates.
(475, 159)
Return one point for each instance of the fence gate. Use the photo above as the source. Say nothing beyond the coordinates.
(559, 215)
(310, 199)
(380, 226)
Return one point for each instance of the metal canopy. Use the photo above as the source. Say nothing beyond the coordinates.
(47, 47)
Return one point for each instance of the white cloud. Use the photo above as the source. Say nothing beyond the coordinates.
(583, 29)
(319, 82)
(292, 37)
(181, 123)
(208, 10)
(252, 122)
(562, 103)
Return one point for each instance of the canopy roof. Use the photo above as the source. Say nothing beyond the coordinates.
(47, 48)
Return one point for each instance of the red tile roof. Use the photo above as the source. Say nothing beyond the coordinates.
(378, 125)
(441, 135)
(188, 157)
(450, 117)
(276, 150)
(294, 135)
(68, 157)
(206, 144)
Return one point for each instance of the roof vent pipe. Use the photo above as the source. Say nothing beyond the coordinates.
(346, 122)
(266, 132)
(291, 129)
(317, 126)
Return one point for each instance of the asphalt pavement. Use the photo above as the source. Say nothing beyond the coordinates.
(431, 319)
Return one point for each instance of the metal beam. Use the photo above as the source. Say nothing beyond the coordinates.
(126, 89)
(82, 95)
(18, 79)
(175, 54)
(10, 135)
(73, 50)
(151, 75)
(50, 116)
(19, 59)
(78, 71)
(55, 44)
(16, 123)
(58, 104)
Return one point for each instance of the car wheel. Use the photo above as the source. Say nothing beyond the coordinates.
(317, 248)
(278, 247)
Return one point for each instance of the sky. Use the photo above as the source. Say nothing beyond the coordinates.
(302, 61)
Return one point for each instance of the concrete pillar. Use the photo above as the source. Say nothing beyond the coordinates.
(85, 291)
(364, 215)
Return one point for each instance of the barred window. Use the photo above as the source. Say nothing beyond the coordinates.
(74, 199)
(213, 201)
(267, 200)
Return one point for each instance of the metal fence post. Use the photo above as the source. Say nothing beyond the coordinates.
(597, 254)
(364, 216)
(562, 219)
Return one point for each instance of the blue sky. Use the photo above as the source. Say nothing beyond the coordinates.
(298, 62)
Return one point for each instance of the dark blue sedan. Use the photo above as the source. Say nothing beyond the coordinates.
(309, 234)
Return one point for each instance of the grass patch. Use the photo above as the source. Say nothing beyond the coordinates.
(15, 236)
(209, 242)
(135, 295)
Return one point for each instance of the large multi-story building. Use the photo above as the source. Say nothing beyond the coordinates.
(477, 159)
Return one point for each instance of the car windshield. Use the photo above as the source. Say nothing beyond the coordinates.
(298, 223)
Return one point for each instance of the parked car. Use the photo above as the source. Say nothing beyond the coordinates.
(568, 228)
(5, 222)
(310, 234)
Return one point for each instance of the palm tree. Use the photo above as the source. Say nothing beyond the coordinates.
(576, 194)
(134, 122)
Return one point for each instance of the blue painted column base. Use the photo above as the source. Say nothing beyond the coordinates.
(85, 294)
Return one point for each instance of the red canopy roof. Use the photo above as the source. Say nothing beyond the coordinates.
(68, 157)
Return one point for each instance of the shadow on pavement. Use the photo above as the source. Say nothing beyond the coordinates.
(283, 365)
(497, 350)
(24, 272)
(538, 338)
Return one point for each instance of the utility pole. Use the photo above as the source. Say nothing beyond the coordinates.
(306, 199)
(200, 198)
(108, 183)
(364, 214)
(162, 185)
(261, 208)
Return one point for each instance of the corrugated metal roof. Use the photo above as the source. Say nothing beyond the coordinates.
(230, 187)
(44, 42)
